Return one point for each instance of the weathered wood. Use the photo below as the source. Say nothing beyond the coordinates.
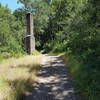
(29, 38)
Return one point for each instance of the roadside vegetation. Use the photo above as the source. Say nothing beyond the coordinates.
(71, 27)
(85, 81)
(11, 34)
(17, 76)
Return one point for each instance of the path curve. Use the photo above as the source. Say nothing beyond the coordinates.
(54, 82)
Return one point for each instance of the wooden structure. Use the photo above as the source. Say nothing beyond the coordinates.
(29, 38)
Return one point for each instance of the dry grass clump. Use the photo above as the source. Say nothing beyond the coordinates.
(17, 76)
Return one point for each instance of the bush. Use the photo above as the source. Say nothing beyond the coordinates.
(86, 77)
(11, 33)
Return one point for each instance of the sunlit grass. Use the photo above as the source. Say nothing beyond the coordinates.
(17, 76)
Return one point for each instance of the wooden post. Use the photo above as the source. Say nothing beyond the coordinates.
(29, 38)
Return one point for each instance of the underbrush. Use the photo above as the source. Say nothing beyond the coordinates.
(85, 76)
(7, 55)
(17, 76)
(35, 53)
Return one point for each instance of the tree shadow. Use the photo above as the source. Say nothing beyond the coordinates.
(54, 83)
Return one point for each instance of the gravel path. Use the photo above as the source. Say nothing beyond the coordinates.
(54, 82)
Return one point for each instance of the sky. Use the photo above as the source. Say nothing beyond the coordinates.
(12, 4)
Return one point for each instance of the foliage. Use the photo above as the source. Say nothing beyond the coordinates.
(43, 12)
(11, 32)
(71, 26)
(76, 30)
(86, 78)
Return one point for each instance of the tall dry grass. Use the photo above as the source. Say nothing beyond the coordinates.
(17, 76)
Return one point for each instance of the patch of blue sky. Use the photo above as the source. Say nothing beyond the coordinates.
(12, 4)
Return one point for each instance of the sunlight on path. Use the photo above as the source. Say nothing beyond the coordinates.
(54, 82)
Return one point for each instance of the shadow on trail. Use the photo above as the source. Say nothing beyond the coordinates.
(54, 82)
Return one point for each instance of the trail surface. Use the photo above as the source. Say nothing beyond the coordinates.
(54, 82)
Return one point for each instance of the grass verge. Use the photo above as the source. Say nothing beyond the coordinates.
(17, 76)
(85, 77)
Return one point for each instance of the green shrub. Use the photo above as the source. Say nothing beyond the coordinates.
(86, 78)
(11, 34)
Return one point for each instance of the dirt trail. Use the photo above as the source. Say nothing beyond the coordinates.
(54, 82)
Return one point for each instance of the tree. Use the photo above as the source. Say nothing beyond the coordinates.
(11, 32)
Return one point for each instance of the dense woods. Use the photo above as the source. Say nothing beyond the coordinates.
(11, 33)
(71, 27)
